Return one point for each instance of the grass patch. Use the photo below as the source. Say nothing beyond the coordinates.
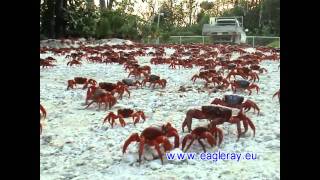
(274, 44)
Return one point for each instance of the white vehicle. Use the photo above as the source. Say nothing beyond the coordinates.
(225, 29)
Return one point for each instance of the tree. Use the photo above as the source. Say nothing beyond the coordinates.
(180, 15)
(167, 19)
(110, 4)
(125, 6)
(82, 17)
(59, 19)
(51, 14)
(190, 8)
(102, 4)
(205, 5)
(261, 19)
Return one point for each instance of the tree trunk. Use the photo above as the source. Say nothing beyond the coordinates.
(260, 14)
(190, 11)
(102, 4)
(64, 23)
(171, 5)
(59, 18)
(51, 30)
(109, 5)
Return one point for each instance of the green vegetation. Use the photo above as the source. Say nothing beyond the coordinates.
(81, 18)
(274, 44)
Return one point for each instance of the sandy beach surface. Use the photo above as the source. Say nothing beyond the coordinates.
(75, 145)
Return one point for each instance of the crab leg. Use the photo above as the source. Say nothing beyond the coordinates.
(239, 130)
(252, 126)
(189, 136)
(201, 143)
(216, 132)
(245, 125)
(141, 148)
(43, 110)
(159, 152)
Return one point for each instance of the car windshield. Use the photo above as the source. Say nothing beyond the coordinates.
(226, 23)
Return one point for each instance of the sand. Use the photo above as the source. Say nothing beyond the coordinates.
(75, 145)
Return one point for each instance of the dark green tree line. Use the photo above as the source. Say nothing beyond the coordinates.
(81, 18)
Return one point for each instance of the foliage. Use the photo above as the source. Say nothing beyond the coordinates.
(117, 24)
(274, 44)
(165, 36)
(270, 20)
(81, 18)
(206, 5)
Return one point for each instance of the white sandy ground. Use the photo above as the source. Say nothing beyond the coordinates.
(75, 145)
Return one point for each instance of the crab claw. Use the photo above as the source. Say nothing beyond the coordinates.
(166, 143)
(142, 115)
(122, 122)
(110, 118)
(132, 138)
(173, 133)
(248, 104)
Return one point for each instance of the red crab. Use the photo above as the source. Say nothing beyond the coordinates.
(80, 80)
(131, 66)
(91, 91)
(154, 136)
(198, 134)
(234, 74)
(101, 96)
(215, 114)
(146, 69)
(50, 59)
(124, 113)
(219, 80)
(175, 62)
(136, 72)
(205, 75)
(46, 63)
(206, 112)
(115, 88)
(253, 76)
(235, 101)
(258, 68)
(129, 82)
(120, 89)
(218, 115)
(153, 80)
(245, 85)
(74, 62)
